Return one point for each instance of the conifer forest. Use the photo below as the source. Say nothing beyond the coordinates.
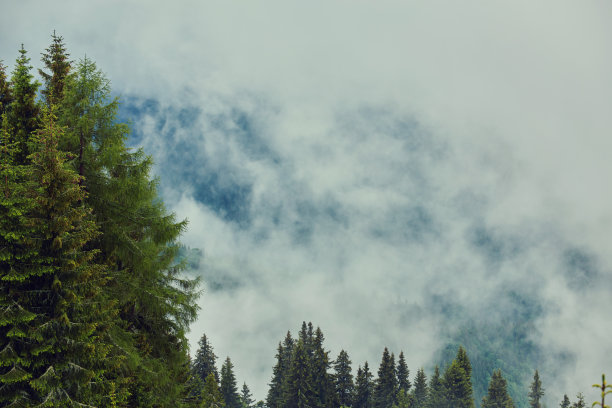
(98, 295)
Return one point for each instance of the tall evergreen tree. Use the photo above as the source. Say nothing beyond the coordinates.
(299, 391)
(580, 402)
(138, 241)
(204, 362)
(56, 61)
(228, 387)
(420, 389)
(458, 388)
(344, 379)
(5, 91)
(497, 396)
(436, 391)
(23, 111)
(364, 388)
(211, 396)
(536, 392)
(322, 382)
(57, 346)
(566, 402)
(280, 372)
(403, 373)
(246, 398)
(386, 386)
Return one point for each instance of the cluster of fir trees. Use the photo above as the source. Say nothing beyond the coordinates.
(305, 376)
(211, 390)
(93, 307)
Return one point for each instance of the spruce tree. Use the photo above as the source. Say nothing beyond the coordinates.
(299, 391)
(205, 360)
(138, 241)
(566, 402)
(403, 373)
(436, 391)
(385, 389)
(458, 388)
(364, 388)
(344, 379)
(322, 382)
(57, 319)
(246, 398)
(277, 385)
(420, 389)
(228, 387)
(403, 399)
(497, 396)
(580, 402)
(22, 113)
(211, 396)
(536, 392)
(5, 91)
(56, 61)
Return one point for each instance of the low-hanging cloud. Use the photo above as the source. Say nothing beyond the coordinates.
(395, 173)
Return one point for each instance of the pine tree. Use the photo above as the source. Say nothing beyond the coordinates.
(6, 96)
(22, 113)
(457, 386)
(420, 389)
(56, 61)
(385, 389)
(280, 373)
(580, 403)
(364, 388)
(344, 379)
(211, 396)
(138, 242)
(205, 360)
(298, 392)
(228, 387)
(403, 400)
(436, 391)
(464, 362)
(497, 396)
(57, 318)
(246, 398)
(536, 391)
(322, 382)
(403, 373)
(566, 402)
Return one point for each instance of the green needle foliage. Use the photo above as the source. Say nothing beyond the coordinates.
(497, 396)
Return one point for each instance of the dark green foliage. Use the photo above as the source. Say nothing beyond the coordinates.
(322, 382)
(403, 399)
(364, 388)
(228, 387)
(435, 393)
(403, 373)
(57, 320)
(22, 112)
(420, 389)
(298, 392)
(205, 360)
(566, 402)
(56, 61)
(211, 396)
(536, 392)
(279, 375)
(386, 386)
(457, 385)
(580, 402)
(246, 398)
(344, 379)
(5, 90)
(497, 397)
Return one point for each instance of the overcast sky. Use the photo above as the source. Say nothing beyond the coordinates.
(355, 163)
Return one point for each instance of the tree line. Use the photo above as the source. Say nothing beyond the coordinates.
(304, 375)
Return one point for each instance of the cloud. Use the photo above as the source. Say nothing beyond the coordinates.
(367, 166)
